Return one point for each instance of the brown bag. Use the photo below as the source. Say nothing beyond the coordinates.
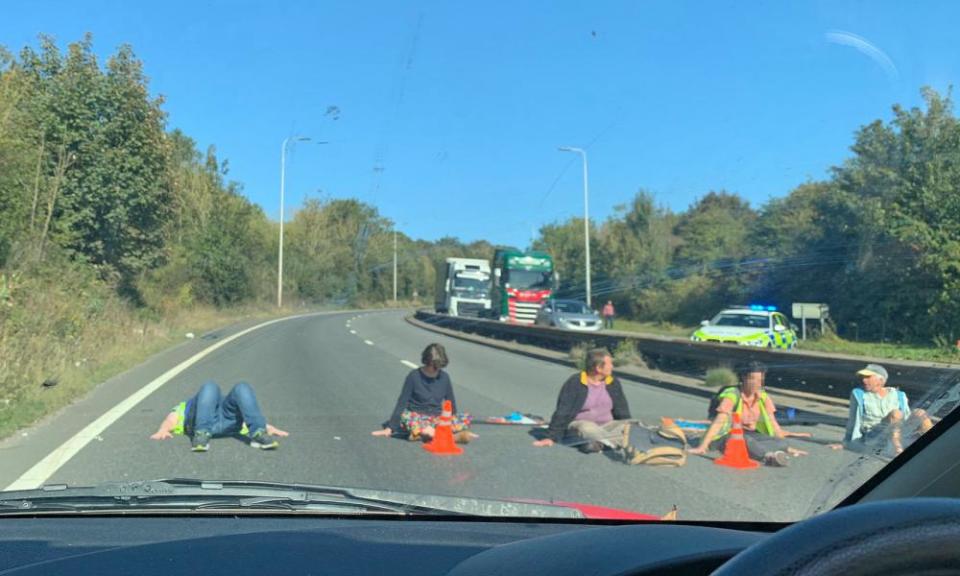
(664, 446)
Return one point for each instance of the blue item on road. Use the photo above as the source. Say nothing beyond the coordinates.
(514, 418)
(691, 425)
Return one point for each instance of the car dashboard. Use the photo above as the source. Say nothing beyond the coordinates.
(213, 545)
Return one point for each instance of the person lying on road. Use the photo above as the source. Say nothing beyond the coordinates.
(421, 401)
(879, 415)
(591, 407)
(210, 414)
(762, 432)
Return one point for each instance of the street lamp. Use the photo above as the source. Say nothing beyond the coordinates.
(395, 261)
(394, 265)
(283, 163)
(586, 211)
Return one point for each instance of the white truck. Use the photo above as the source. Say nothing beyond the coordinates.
(463, 288)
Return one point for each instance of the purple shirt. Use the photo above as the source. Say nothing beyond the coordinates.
(598, 407)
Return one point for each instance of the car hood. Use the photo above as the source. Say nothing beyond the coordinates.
(729, 331)
(568, 316)
(200, 495)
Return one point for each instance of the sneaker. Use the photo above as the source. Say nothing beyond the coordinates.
(778, 458)
(200, 442)
(263, 441)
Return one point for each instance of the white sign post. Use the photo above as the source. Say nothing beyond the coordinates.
(812, 311)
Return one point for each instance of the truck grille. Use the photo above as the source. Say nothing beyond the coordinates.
(524, 312)
(470, 309)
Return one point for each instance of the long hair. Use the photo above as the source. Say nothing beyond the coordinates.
(435, 356)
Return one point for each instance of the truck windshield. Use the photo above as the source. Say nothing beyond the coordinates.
(470, 284)
(528, 279)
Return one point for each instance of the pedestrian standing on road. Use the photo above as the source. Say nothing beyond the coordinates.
(608, 313)
(210, 414)
(418, 408)
(591, 408)
(880, 414)
(764, 438)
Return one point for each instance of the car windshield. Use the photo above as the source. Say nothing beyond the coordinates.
(571, 307)
(231, 232)
(742, 320)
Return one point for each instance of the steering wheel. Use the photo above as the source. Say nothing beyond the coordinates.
(909, 536)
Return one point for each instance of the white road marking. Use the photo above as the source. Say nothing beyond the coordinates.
(409, 364)
(368, 343)
(44, 469)
(353, 331)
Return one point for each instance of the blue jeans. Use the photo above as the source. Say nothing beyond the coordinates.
(220, 415)
(758, 445)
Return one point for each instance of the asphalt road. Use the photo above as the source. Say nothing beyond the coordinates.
(331, 380)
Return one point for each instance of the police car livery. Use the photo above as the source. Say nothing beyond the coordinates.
(755, 325)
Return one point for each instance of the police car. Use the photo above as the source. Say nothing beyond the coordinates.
(755, 325)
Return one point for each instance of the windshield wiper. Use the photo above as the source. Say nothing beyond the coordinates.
(179, 494)
(187, 494)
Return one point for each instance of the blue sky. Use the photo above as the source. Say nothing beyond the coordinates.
(451, 112)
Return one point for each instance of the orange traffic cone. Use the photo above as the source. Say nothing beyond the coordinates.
(735, 453)
(442, 442)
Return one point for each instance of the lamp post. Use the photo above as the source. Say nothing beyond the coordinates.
(394, 266)
(283, 163)
(586, 212)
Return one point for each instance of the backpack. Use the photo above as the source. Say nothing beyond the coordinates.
(715, 402)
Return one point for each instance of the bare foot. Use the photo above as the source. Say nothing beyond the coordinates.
(464, 437)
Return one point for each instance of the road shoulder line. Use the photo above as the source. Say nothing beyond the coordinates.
(46, 467)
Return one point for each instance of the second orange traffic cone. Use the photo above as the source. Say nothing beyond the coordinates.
(442, 442)
(735, 453)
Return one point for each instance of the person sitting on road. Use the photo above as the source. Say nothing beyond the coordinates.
(761, 431)
(591, 407)
(210, 414)
(879, 414)
(421, 401)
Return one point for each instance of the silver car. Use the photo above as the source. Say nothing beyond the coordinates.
(569, 315)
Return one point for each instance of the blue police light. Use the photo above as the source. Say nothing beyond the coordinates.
(762, 308)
